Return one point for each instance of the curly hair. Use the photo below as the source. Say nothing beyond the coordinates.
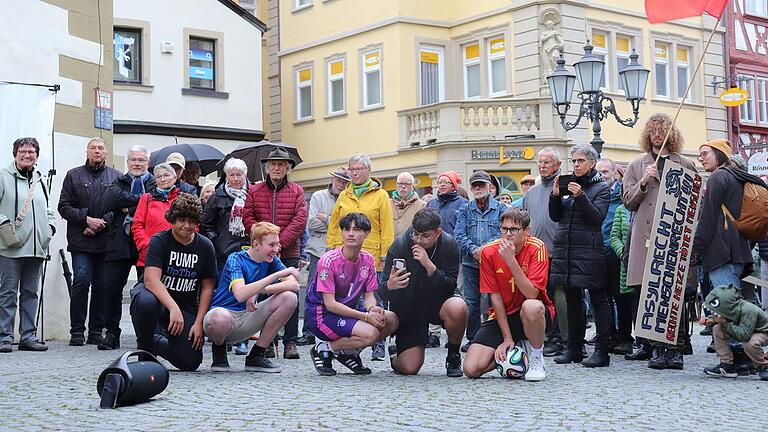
(674, 142)
(184, 206)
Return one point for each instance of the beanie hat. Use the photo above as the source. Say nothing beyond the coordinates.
(721, 144)
(453, 177)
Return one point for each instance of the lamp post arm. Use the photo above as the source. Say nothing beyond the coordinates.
(583, 110)
(610, 108)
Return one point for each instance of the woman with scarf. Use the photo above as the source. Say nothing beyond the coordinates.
(149, 218)
(578, 262)
(223, 215)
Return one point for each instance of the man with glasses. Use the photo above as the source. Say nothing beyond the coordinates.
(422, 291)
(477, 223)
(513, 270)
(124, 194)
(405, 202)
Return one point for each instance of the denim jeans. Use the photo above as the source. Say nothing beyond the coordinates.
(117, 277)
(19, 278)
(726, 274)
(472, 298)
(88, 274)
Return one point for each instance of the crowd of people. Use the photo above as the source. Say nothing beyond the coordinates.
(223, 261)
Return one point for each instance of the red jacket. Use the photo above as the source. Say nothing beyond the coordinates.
(149, 220)
(284, 207)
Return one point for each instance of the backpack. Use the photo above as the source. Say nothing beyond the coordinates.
(753, 221)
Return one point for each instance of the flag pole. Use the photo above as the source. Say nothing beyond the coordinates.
(688, 88)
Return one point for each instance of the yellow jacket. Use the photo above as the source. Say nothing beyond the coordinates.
(375, 204)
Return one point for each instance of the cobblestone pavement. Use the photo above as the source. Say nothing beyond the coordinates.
(57, 390)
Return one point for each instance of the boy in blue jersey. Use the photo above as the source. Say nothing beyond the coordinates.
(235, 314)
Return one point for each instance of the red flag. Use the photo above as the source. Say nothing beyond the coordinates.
(667, 10)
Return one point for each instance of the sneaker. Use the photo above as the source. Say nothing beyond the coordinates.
(642, 353)
(434, 341)
(763, 373)
(110, 342)
(219, 362)
(658, 359)
(305, 339)
(537, 370)
(377, 352)
(5, 347)
(260, 363)
(77, 340)
(706, 331)
(270, 352)
(722, 370)
(453, 365)
(290, 352)
(353, 363)
(465, 347)
(623, 348)
(323, 361)
(554, 348)
(94, 339)
(32, 346)
(674, 359)
(241, 348)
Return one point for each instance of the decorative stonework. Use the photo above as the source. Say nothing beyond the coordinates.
(550, 41)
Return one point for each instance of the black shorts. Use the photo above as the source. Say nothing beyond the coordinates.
(490, 335)
(414, 331)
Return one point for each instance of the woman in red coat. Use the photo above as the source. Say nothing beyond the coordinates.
(150, 212)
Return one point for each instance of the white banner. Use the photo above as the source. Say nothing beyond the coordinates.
(659, 314)
(26, 111)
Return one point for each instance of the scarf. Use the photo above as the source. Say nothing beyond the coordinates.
(236, 227)
(164, 192)
(359, 190)
(137, 186)
(401, 202)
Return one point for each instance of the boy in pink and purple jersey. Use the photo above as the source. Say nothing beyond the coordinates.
(343, 275)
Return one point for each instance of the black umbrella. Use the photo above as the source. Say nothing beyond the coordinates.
(252, 153)
(205, 155)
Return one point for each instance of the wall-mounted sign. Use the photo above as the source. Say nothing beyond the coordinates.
(504, 155)
(733, 97)
(758, 163)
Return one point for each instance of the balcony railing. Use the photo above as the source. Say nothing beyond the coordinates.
(474, 120)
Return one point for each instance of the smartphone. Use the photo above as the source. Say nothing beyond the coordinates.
(399, 263)
(563, 182)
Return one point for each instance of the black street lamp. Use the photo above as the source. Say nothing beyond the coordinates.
(594, 104)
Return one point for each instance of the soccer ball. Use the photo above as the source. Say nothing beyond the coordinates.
(515, 365)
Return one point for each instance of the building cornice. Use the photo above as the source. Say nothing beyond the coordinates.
(186, 130)
(244, 14)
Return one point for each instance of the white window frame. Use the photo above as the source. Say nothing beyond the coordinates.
(749, 86)
(687, 66)
(668, 77)
(756, 7)
(329, 83)
(440, 51)
(762, 102)
(605, 52)
(298, 87)
(301, 4)
(489, 65)
(621, 55)
(472, 62)
(365, 76)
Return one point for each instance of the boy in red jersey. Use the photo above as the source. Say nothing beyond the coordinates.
(513, 270)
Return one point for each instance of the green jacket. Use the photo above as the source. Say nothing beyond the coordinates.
(744, 318)
(619, 232)
(38, 226)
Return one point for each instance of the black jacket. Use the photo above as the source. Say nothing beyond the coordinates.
(578, 261)
(715, 244)
(215, 226)
(85, 193)
(423, 292)
(121, 243)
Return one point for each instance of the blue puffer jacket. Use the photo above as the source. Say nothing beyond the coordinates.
(446, 206)
(475, 228)
(615, 201)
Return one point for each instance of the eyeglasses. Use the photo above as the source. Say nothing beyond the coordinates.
(477, 185)
(27, 152)
(404, 184)
(135, 160)
(443, 182)
(354, 170)
(163, 176)
(415, 235)
(511, 230)
(704, 154)
(545, 163)
(578, 161)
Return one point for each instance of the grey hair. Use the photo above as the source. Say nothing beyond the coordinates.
(408, 175)
(553, 152)
(237, 164)
(587, 149)
(164, 166)
(613, 164)
(138, 149)
(97, 139)
(361, 158)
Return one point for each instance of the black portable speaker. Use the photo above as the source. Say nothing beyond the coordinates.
(125, 383)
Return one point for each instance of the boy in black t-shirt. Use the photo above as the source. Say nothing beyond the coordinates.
(180, 268)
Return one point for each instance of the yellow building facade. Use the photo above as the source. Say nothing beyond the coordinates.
(433, 85)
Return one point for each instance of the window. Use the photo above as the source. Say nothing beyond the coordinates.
(472, 71)
(336, 86)
(497, 66)
(202, 63)
(600, 49)
(683, 71)
(757, 7)
(661, 56)
(431, 74)
(127, 60)
(762, 86)
(747, 109)
(304, 93)
(623, 50)
(301, 4)
(371, 78)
